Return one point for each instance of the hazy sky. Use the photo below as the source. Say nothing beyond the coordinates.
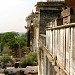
(13, 14)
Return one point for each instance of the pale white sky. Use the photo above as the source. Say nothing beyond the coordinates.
(13, 13)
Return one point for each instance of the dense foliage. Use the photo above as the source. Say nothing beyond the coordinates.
(13, 40)
(4, 59)
(30, 60)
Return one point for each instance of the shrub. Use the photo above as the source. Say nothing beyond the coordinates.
(31, 60)
(5, 59)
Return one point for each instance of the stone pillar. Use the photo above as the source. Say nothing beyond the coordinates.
(39, 62)
(36, 31)
(44, 64)
(48, 67)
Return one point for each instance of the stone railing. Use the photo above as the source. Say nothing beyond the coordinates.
(60, 42)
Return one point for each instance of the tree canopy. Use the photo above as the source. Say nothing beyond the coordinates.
(13, 40)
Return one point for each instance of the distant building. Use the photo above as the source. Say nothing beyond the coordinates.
(30, 30)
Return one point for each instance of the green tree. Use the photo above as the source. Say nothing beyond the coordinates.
(9, 37)
(1, 43)
(13, 40)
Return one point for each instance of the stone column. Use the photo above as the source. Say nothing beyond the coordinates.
(44, 64)
(48, 67)
(39, 62)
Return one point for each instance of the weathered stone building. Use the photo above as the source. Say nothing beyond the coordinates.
(30, 30)
(54, 33)
(33, 31)
(48, 11)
